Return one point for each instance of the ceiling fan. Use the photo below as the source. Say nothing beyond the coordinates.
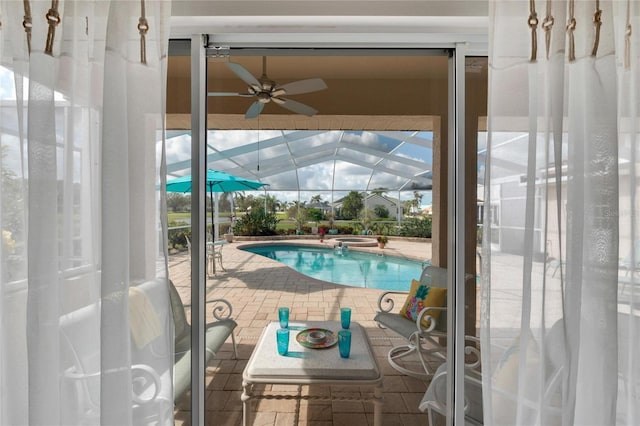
(266, 90)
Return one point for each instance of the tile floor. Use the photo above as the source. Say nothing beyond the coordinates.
(256, 286)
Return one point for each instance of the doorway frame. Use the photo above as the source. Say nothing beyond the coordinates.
(456, 202)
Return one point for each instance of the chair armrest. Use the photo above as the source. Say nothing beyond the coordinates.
(386, 303)
(472, 352)
(223, 310)
(435, 396)
(72, 374)
(140, 375)
(426, 314)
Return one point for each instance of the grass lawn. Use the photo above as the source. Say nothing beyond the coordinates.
(185, 216)
(178, 217)
(288, 225)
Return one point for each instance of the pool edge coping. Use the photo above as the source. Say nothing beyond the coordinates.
(387, 251)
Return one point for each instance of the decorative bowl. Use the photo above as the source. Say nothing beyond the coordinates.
(316, 336)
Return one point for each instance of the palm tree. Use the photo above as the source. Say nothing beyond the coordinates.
(379, 191)
(408, 204)
(316, 199)
(417, 198)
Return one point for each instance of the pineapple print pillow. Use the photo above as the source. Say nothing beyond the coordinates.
(421, 296)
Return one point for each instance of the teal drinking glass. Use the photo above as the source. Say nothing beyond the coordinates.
(283, 316)
(344, 343)
(282, 338)
(345, 317)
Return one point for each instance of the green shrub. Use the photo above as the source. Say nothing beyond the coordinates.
(416, 227)
(256, 223)
(345, 230)
(381, 211)
(177, 237)
(224, 228)
(314, 215)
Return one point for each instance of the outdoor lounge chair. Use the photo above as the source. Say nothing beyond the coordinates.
(504, 382)
(152, 371)
(425, 334)
(216, 334)
(434, 399)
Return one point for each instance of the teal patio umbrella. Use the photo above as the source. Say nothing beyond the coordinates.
(216, 182)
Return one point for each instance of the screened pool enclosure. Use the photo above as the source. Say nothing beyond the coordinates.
(298, 165)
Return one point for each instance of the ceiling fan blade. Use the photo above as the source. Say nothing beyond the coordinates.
(297, 107)
(244, 74)
(300, 86)
(229, 94)
(254, 110)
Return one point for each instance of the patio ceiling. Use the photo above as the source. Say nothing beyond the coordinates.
(375, 127)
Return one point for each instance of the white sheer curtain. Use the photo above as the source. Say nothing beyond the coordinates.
(560, 322)
(86, 334)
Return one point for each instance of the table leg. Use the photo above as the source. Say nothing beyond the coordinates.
(377, 406)
(245, 397)
(211, 265)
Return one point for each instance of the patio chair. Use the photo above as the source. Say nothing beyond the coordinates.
(188, 244)
(152, 372)
(80, 361)
(425, 329)
(434, 399)
(214, 252)
(504, 382)
(217, 332)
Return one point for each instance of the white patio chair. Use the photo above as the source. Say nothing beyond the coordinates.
(188, 244)
(423, 343)
(434, 399)
(505, 383)
(214, 252)
(426, 336)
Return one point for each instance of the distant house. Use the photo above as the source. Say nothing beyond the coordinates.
(323, 206)
(392, 204)
(371, 201)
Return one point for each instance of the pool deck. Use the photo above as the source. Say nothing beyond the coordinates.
(256, 286)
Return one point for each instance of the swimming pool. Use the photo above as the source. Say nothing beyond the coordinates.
(346, 267)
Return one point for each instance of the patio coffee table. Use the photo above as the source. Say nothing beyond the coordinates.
(305, 366)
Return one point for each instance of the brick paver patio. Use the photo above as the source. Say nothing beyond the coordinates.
(256, 286)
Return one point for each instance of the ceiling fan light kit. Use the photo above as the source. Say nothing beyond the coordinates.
(266, 90)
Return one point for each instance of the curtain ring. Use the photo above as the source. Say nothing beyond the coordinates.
(53, 18)
(547, 25)
(597, 23)
(27, 23)
(143, 29)
(571, 27)
(532, 22)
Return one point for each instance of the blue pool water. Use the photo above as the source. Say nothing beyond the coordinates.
(347, 267)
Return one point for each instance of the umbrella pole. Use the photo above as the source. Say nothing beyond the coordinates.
(212, 219)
